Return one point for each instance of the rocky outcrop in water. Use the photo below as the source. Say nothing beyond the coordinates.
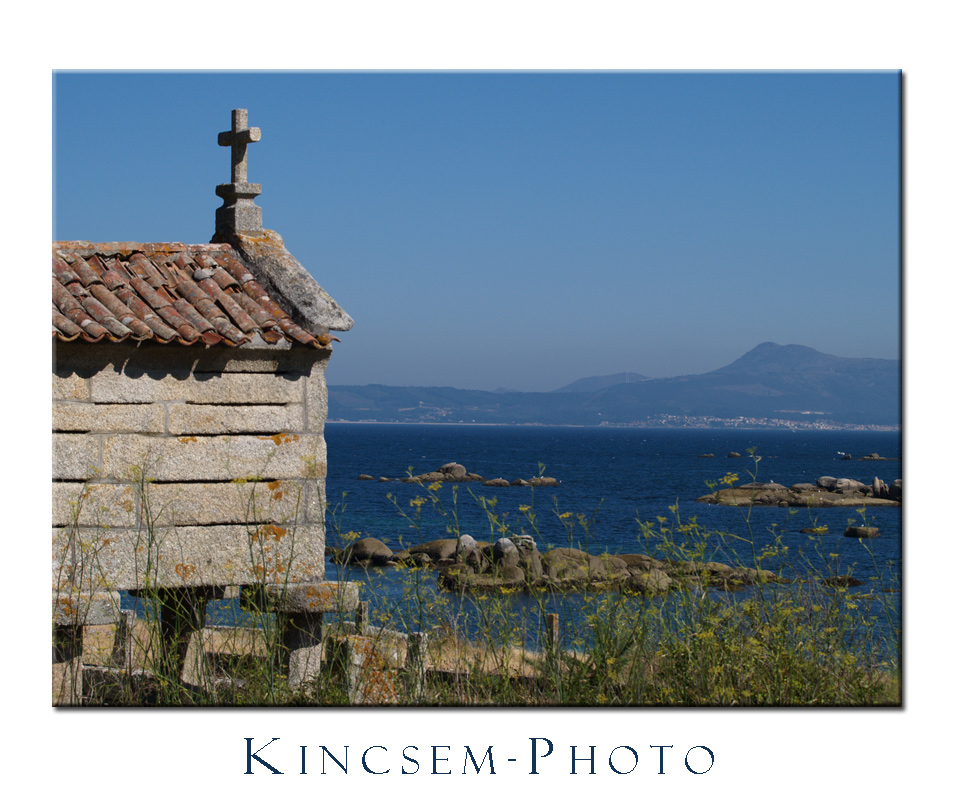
(457, 473)
(516, 564)
(840, 581)
(861, 532)
(366, 552)
(827, 492)
(448, 473)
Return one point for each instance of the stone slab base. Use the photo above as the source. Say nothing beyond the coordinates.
(367, 667)
(320, 597)
(67, 683)
(210, 647)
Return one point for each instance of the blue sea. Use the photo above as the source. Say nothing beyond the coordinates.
(612, 479)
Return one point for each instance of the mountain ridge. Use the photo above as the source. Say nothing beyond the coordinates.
(598, 383)
(769, 382)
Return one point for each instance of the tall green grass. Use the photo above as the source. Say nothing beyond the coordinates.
(801, 643)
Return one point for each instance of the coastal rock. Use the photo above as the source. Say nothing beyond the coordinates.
(426, 478)
(469, 552)
(453, 577)
(528, 556)
(570, 564)
(366, 551)
(804, 488)
(505, 553)
(566, 563)
(479, 563)
(639, 561)
(895, 492)
(879, 489)
(612, 567)
(524, 541)
(828, 492)
(841, 581)
(771, 486)
(507, 577)
(648, 582)
(514, 563)
(719, 575)
(532, 565)
(438, 549)
(845, 485)
(454, 471)
(467, 545)
(734, 455)
(459, 578)
(861, 532)
(408, 559)
(451, 472)
(365, 477)
(735, 577)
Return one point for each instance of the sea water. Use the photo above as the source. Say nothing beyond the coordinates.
(612, 479)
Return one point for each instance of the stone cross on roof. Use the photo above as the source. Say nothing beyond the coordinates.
(238, 213)
(237, 138)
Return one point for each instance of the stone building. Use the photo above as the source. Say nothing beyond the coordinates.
(188, 409)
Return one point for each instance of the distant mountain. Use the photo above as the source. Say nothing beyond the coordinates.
(770, 382)
(591, 384)
(773, 381)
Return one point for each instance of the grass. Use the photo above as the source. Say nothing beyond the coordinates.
(769, 644)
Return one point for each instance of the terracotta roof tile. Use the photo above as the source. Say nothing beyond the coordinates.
(164, 292)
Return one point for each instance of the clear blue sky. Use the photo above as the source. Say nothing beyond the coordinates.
(523, 230)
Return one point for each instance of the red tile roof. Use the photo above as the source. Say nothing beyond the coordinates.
(164, 292)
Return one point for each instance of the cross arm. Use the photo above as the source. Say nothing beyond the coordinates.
(237, 137)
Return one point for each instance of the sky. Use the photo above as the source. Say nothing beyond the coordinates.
(523, 230)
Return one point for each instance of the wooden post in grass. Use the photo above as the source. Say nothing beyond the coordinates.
(553, 631)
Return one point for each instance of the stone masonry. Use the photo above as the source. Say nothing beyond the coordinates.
(231, 442)
(189, 402)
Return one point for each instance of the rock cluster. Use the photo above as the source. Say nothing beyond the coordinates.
(516, 563)
(457, 473)
(533, 481)
(448, 473)
(825, 493)
(861, 532)
(873, 456)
